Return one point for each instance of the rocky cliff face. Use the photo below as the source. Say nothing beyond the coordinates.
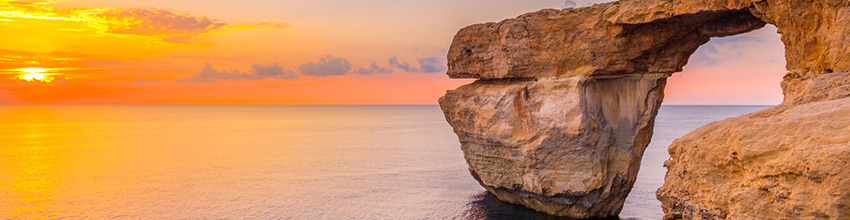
(566, 146)
(785, 162)
(566, 100)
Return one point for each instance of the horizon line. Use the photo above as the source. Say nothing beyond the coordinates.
(313, 105)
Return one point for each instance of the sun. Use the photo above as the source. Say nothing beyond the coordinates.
(34, 74)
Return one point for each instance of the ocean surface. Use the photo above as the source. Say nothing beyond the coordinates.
(268, 162)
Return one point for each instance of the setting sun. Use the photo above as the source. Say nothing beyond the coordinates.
(34, 74)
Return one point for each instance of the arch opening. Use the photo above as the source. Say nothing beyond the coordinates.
(744, 69)
(726, 77)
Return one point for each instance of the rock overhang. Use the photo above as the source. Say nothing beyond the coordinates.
(566, 99)
(653, 36)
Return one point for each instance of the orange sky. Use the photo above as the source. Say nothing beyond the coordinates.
(295, 52)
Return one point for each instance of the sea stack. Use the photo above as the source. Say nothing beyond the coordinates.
(565, 103)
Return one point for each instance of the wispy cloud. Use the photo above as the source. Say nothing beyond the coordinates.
(568, 4)
(267, 24)
(336, 66)
(146, 82)
(326, 66)
(48, 80)
(166, 25)
(32, 60)
(374, 68)
(210, 74)
(402, 65)
(426, 65)
(732, 49)
(432, 64)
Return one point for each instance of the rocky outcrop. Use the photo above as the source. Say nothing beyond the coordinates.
(785, 162)
(564, 146)
(566, 99)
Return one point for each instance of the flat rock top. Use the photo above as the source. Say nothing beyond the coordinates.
(646, 36)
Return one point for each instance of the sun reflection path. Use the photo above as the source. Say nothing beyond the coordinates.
(29, 181)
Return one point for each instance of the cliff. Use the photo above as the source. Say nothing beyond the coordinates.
(785, 162)
(566, 99)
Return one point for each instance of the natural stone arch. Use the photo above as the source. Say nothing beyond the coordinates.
(566, 100)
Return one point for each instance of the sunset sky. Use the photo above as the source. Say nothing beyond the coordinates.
(297, 52)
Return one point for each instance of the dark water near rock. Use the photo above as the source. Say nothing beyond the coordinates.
(267, 162)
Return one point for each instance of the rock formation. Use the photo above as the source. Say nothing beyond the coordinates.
(566, 99)
(785, 162)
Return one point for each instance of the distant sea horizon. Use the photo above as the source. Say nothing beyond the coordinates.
(707, 105)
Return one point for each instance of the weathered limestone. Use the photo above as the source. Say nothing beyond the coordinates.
(564, 146)
(566, 100)
(785, 162)
(814, 31)
(582, 42)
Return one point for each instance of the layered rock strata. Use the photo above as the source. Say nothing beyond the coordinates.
(566, 99)
(565, 146)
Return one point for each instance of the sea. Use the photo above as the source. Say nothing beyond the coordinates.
(268, 162)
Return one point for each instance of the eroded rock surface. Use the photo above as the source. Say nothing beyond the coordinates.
(791, 161)
(566, 100)
(556, 146)
(582, 42)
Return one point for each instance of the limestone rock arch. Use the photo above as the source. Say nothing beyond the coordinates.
(566, 100)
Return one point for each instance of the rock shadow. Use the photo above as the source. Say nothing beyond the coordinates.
(485, 206)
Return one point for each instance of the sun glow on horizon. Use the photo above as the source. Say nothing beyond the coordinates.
(34, 74)
(280, 52)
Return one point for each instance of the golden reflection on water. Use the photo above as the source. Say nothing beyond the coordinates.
(264, 162)
(28, 167)
(233, 162)
(47, 161)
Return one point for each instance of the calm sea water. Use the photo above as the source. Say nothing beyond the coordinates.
(267, 162)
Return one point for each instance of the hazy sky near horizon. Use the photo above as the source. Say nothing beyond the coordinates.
(297, 52)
